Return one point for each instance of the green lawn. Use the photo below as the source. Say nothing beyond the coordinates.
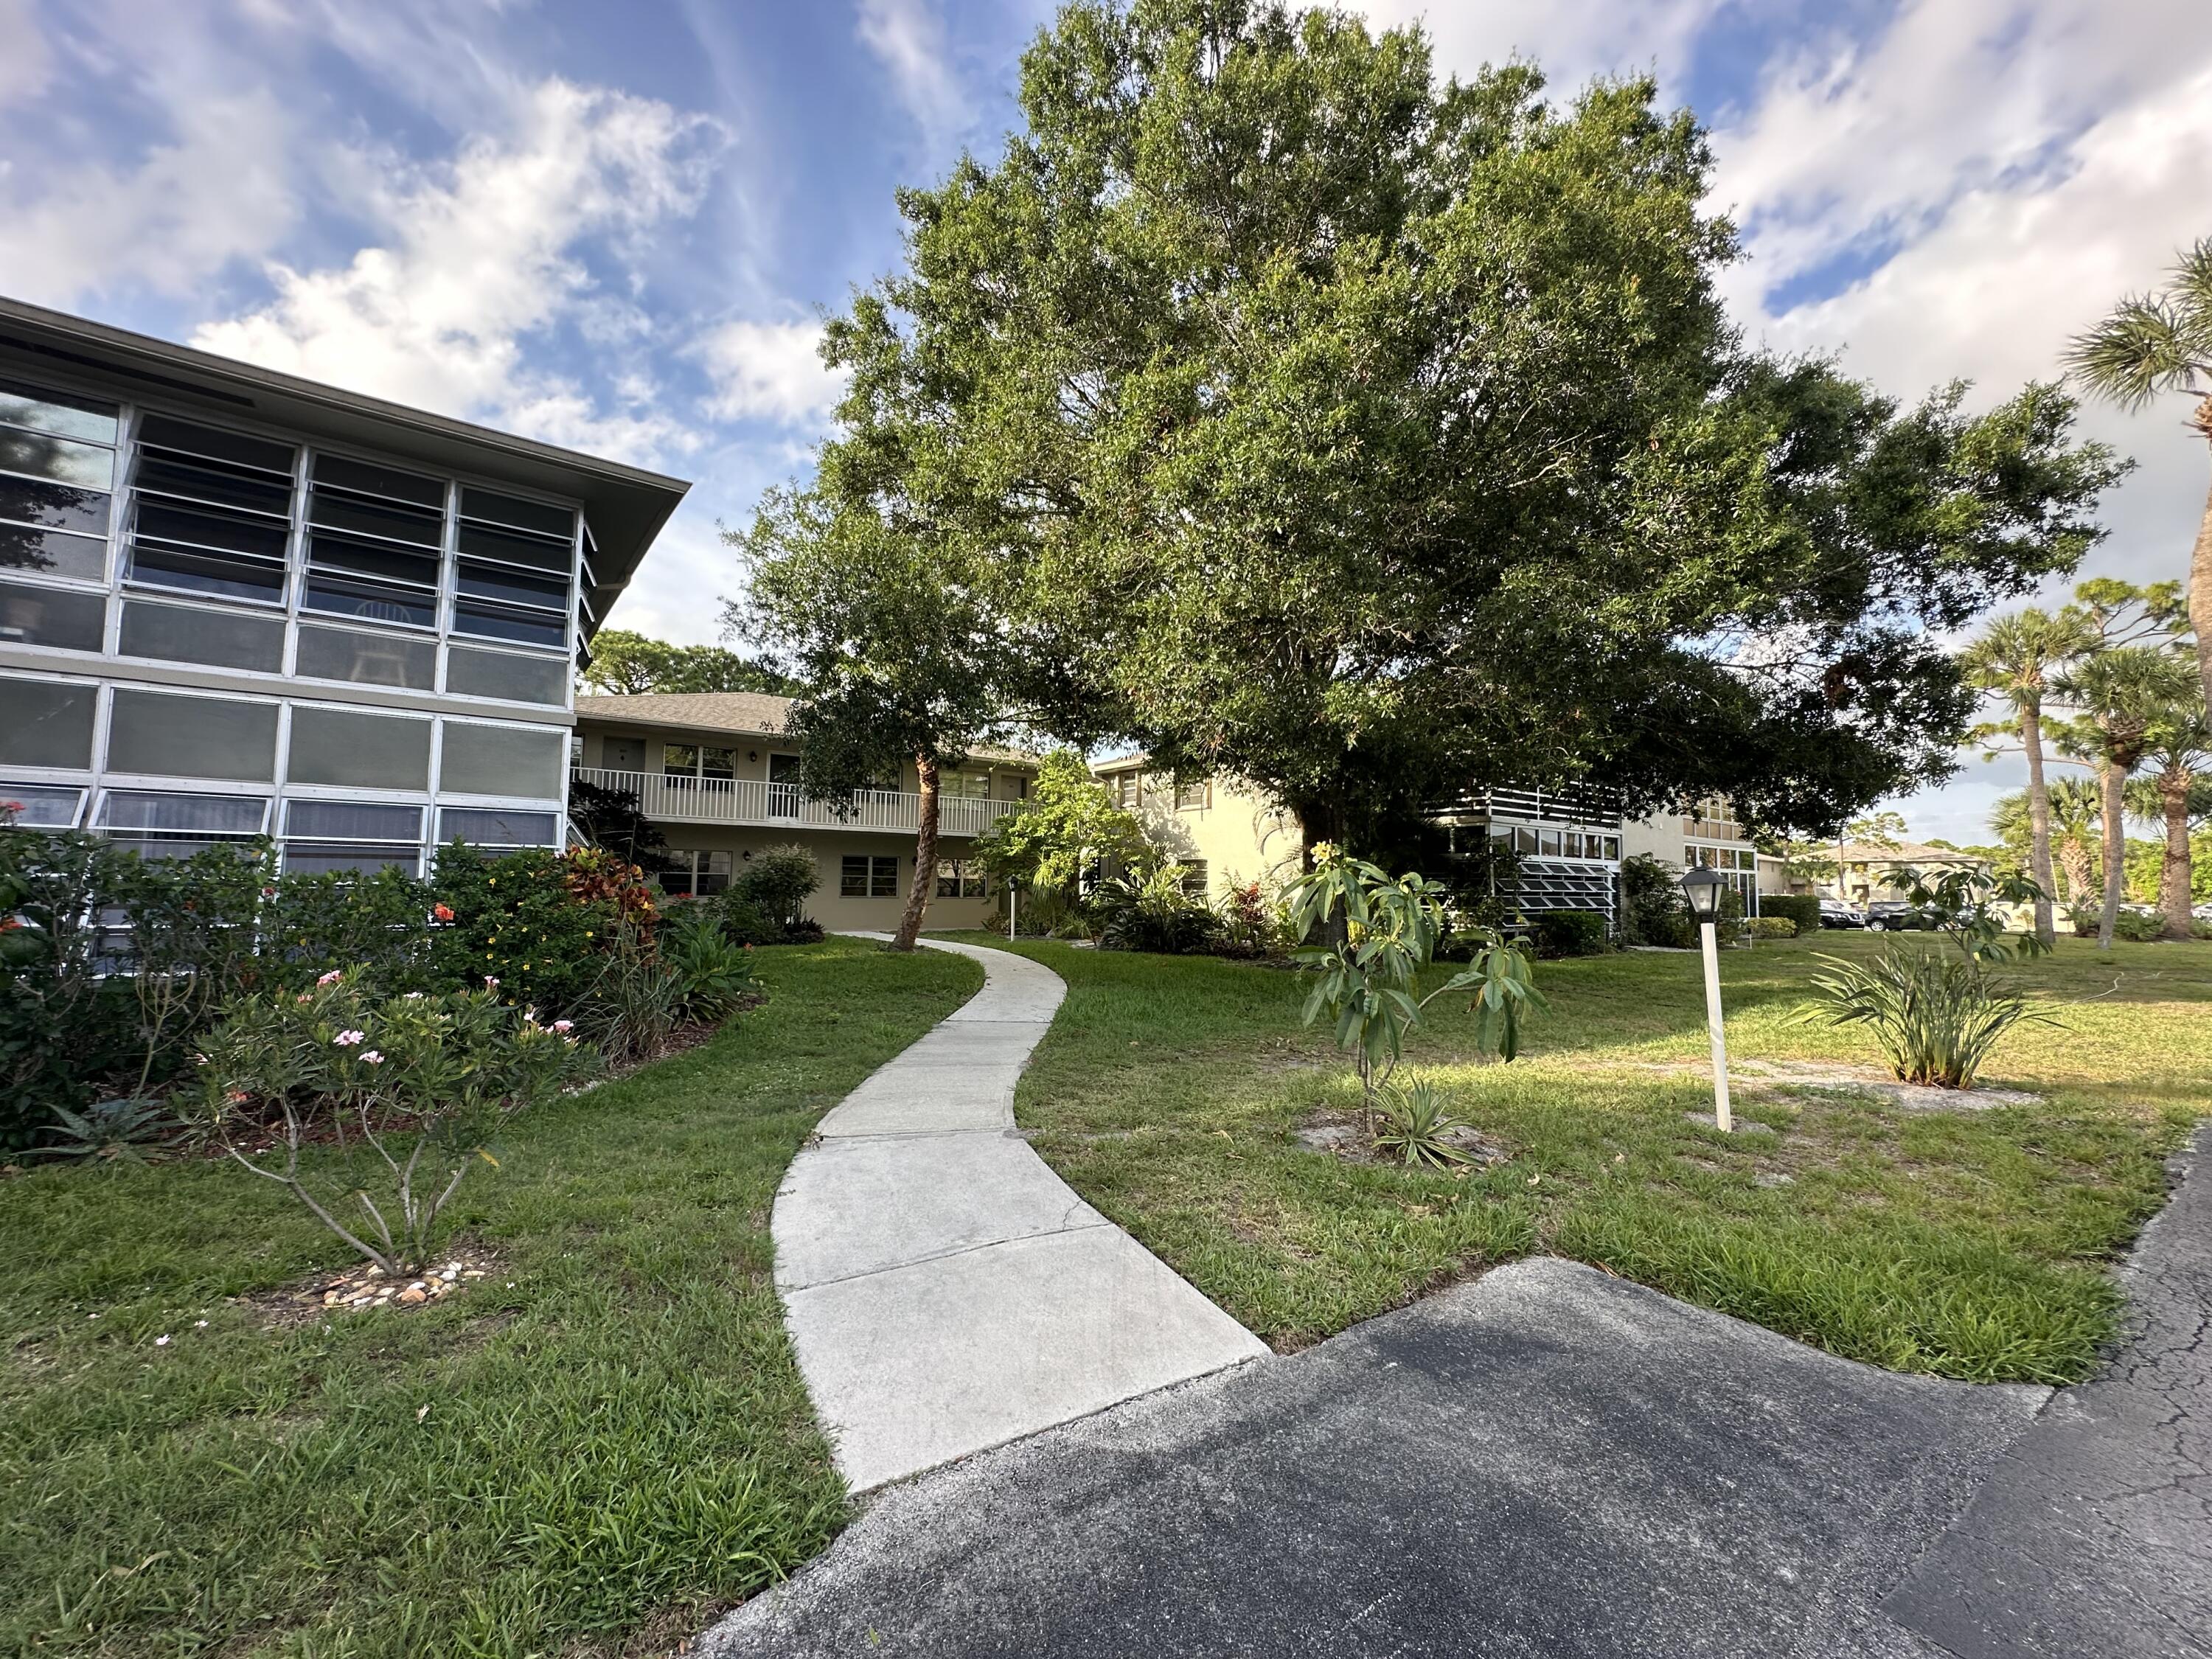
(1970, 1244)
(591, 1455)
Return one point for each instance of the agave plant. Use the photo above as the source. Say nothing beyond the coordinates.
(1936, 1014)
(110, 1131)
(1415, 1123)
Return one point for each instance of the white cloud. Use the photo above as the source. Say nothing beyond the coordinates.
(769, 372)
(908, 38)
(27, 63)
(483, 253)
(218, 191)
(1570, 39)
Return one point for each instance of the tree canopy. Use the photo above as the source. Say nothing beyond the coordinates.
(1304, 420)
(627, 663)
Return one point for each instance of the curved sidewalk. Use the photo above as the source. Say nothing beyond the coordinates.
(945, 1289)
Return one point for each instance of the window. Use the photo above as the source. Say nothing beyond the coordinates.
(699, 874)
(44, 805)
(1547, 842)
(57, 479)
(220, 639)
(480, 827)
(47, 722)
(365, 659)
(1193, 797)
(865, 877)
(968, 785)
(1129, 791)
(323, 835)
(504, 675)
(501, 760)
(212, 510)
(362, 752)
(679, 760)
(61, 618)
(514, 579)
(176, 737)
(1194, 879)
(961, 878)
(156, 824)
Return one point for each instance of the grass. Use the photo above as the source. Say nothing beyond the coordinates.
(1971, 1244)
(583, 1455)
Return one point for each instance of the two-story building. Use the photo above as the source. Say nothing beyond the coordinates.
(715, 773)
(1568, 844)
(235, 602)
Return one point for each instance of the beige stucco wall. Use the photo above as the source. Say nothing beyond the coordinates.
(1239, 837)
(829, 847)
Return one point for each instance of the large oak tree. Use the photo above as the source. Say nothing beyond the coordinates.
(1305, 420)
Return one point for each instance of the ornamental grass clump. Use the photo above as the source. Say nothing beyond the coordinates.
(371, 1113)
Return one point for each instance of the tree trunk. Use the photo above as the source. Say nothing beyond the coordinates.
(2175, 874)
(2080, 869)
(925, 857)
(2200, 569)
(1842, 891)
(2038, 823)
(2109, 781)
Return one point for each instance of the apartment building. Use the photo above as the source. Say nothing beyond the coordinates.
(1568, 843)
(716, 773)
(235, 602)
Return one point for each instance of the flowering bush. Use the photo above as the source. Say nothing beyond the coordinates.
(408, 1090)
(536, 922)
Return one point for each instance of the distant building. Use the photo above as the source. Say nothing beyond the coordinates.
(1875, 873)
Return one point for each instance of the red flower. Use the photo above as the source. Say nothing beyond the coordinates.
(442, 912)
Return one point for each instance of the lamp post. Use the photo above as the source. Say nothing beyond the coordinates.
(1702, 887)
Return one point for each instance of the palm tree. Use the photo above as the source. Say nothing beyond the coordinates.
(2016, 659)
(2073, 825)
(2150, 346)
(2120, 694)
(2177, 791)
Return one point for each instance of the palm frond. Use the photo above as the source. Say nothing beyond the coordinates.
(2144, 347)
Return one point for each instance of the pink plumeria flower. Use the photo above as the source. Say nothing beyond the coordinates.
(372, 1058)
(564, 1025)
(491, 983)
(350, 1039)
(335, 974)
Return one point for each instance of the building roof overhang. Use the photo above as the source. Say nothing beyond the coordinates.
(624, 506)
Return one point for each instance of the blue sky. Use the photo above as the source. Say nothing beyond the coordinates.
(617, 226)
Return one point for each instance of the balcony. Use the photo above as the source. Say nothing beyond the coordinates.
(780, 806)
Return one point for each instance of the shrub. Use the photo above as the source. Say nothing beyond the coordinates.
(519, 920)
(1936, 1013)
(1772, 927)
(1652, 908)
(2138, 927)
(634, 999)
(714, 972)
(1569, 932)
(744, 922)
(1153, 913)
(1252, 924)
(1415, 1123)
(376, 925)
(408, 1091)
(778, 880)
(1803, 909)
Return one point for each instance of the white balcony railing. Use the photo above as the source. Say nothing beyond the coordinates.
(749, 800)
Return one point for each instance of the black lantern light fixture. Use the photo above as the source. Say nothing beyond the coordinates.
(1702, 886)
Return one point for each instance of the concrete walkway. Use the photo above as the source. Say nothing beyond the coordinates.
(945, 1289)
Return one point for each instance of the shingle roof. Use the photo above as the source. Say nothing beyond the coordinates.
(1908, 852)
(751, 712)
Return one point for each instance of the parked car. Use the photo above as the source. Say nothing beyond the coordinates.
(1835, 913)
(1895, 916)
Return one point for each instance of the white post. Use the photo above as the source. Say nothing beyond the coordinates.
(1721, 1113)
(1013, 911)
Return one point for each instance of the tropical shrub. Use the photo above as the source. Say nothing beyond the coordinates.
(1068, 826)
(1415, 1123)
(2138, 927)
(521, 920)
(1385, 930)
(714, 972)
(1652, 908)
(744, 922)
(406, 1093)
(1569, 932)
(109, 1132)
(378, 924)
(778, 881)
(1153, 913)
(1771, 927)
(614, 821)
(1936, 1013)
(634, 999)
(1252, 923)
(1803, 908)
